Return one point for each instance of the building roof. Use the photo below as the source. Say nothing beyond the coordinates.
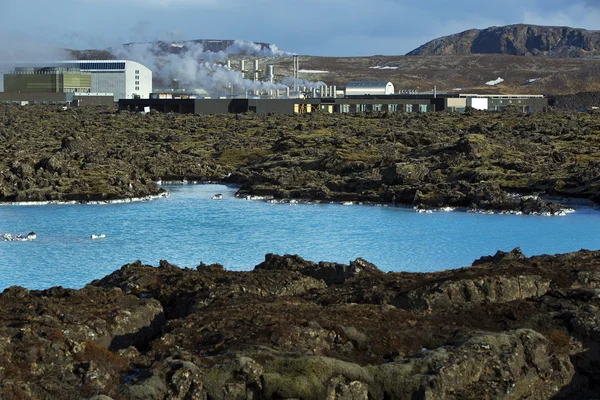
(99, 65)
(367, 84)
(84, 65)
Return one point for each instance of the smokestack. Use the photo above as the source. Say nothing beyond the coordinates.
(296, 71)
(270, 73)
(229, 64)
(435, 92)
(287, 92)
(334, 91)
(243, 68)
(256, 69)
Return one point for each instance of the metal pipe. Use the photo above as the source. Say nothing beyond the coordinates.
(256, 69)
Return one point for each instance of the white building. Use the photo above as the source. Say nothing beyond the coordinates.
(369, 88)
(123, 78)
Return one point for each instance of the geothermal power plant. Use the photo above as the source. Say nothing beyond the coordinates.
(231, 86)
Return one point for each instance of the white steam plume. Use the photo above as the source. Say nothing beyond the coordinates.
(289, 81)
(195, 67)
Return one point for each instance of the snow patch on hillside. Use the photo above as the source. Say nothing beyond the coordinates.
(495, 82)
(312, 71)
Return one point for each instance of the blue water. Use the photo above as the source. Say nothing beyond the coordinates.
(189, 227)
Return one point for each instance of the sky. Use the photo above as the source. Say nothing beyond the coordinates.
(308, 27)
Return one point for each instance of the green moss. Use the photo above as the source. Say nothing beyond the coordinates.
(241, 156)
(308, 377)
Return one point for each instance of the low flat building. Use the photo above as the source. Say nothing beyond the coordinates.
(76, 99)
(123, 78)
(349, 104)
(496, 102)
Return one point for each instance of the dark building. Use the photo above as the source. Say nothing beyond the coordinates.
(80, 99)
(348, 104)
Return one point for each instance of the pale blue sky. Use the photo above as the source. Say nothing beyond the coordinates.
(312, 27)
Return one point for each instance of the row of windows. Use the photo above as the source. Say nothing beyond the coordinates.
(351, 108)
(96, 65)
(388, 107)
(77, 90)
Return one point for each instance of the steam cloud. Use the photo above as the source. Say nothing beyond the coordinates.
(195, 67)
(190, 64)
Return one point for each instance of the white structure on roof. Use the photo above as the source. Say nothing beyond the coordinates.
(369, 88)
(125, 79)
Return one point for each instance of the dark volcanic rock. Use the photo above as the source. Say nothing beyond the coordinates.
(330, 273)
(492, 162)
(514, 254)
(522, 40)
(509, 327)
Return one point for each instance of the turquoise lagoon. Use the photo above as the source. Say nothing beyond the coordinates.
(189, 227)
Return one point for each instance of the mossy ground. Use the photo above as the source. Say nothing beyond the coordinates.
(471, 160)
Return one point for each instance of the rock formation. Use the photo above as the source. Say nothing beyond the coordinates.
(508, 327)
(518, 40)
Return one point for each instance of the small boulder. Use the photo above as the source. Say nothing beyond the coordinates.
(500, 255)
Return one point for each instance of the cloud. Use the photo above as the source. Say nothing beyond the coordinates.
(579, 14)
(167, 3)
(315, 27)
(18, 48)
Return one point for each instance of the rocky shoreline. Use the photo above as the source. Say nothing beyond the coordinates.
(161, 195)
(507, 327)
(562, 211)
(475, 160)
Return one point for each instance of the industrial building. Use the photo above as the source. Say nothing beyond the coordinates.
(76, 99)
(369, 88)
(345, 104)
(123, 78)
(48, 80)
(497, 102)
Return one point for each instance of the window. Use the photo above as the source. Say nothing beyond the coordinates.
(137, 77)
(137, 71)
(137, 82)
(98, 66)
(137, 88)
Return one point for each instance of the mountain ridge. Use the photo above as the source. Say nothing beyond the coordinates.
(519, 40)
